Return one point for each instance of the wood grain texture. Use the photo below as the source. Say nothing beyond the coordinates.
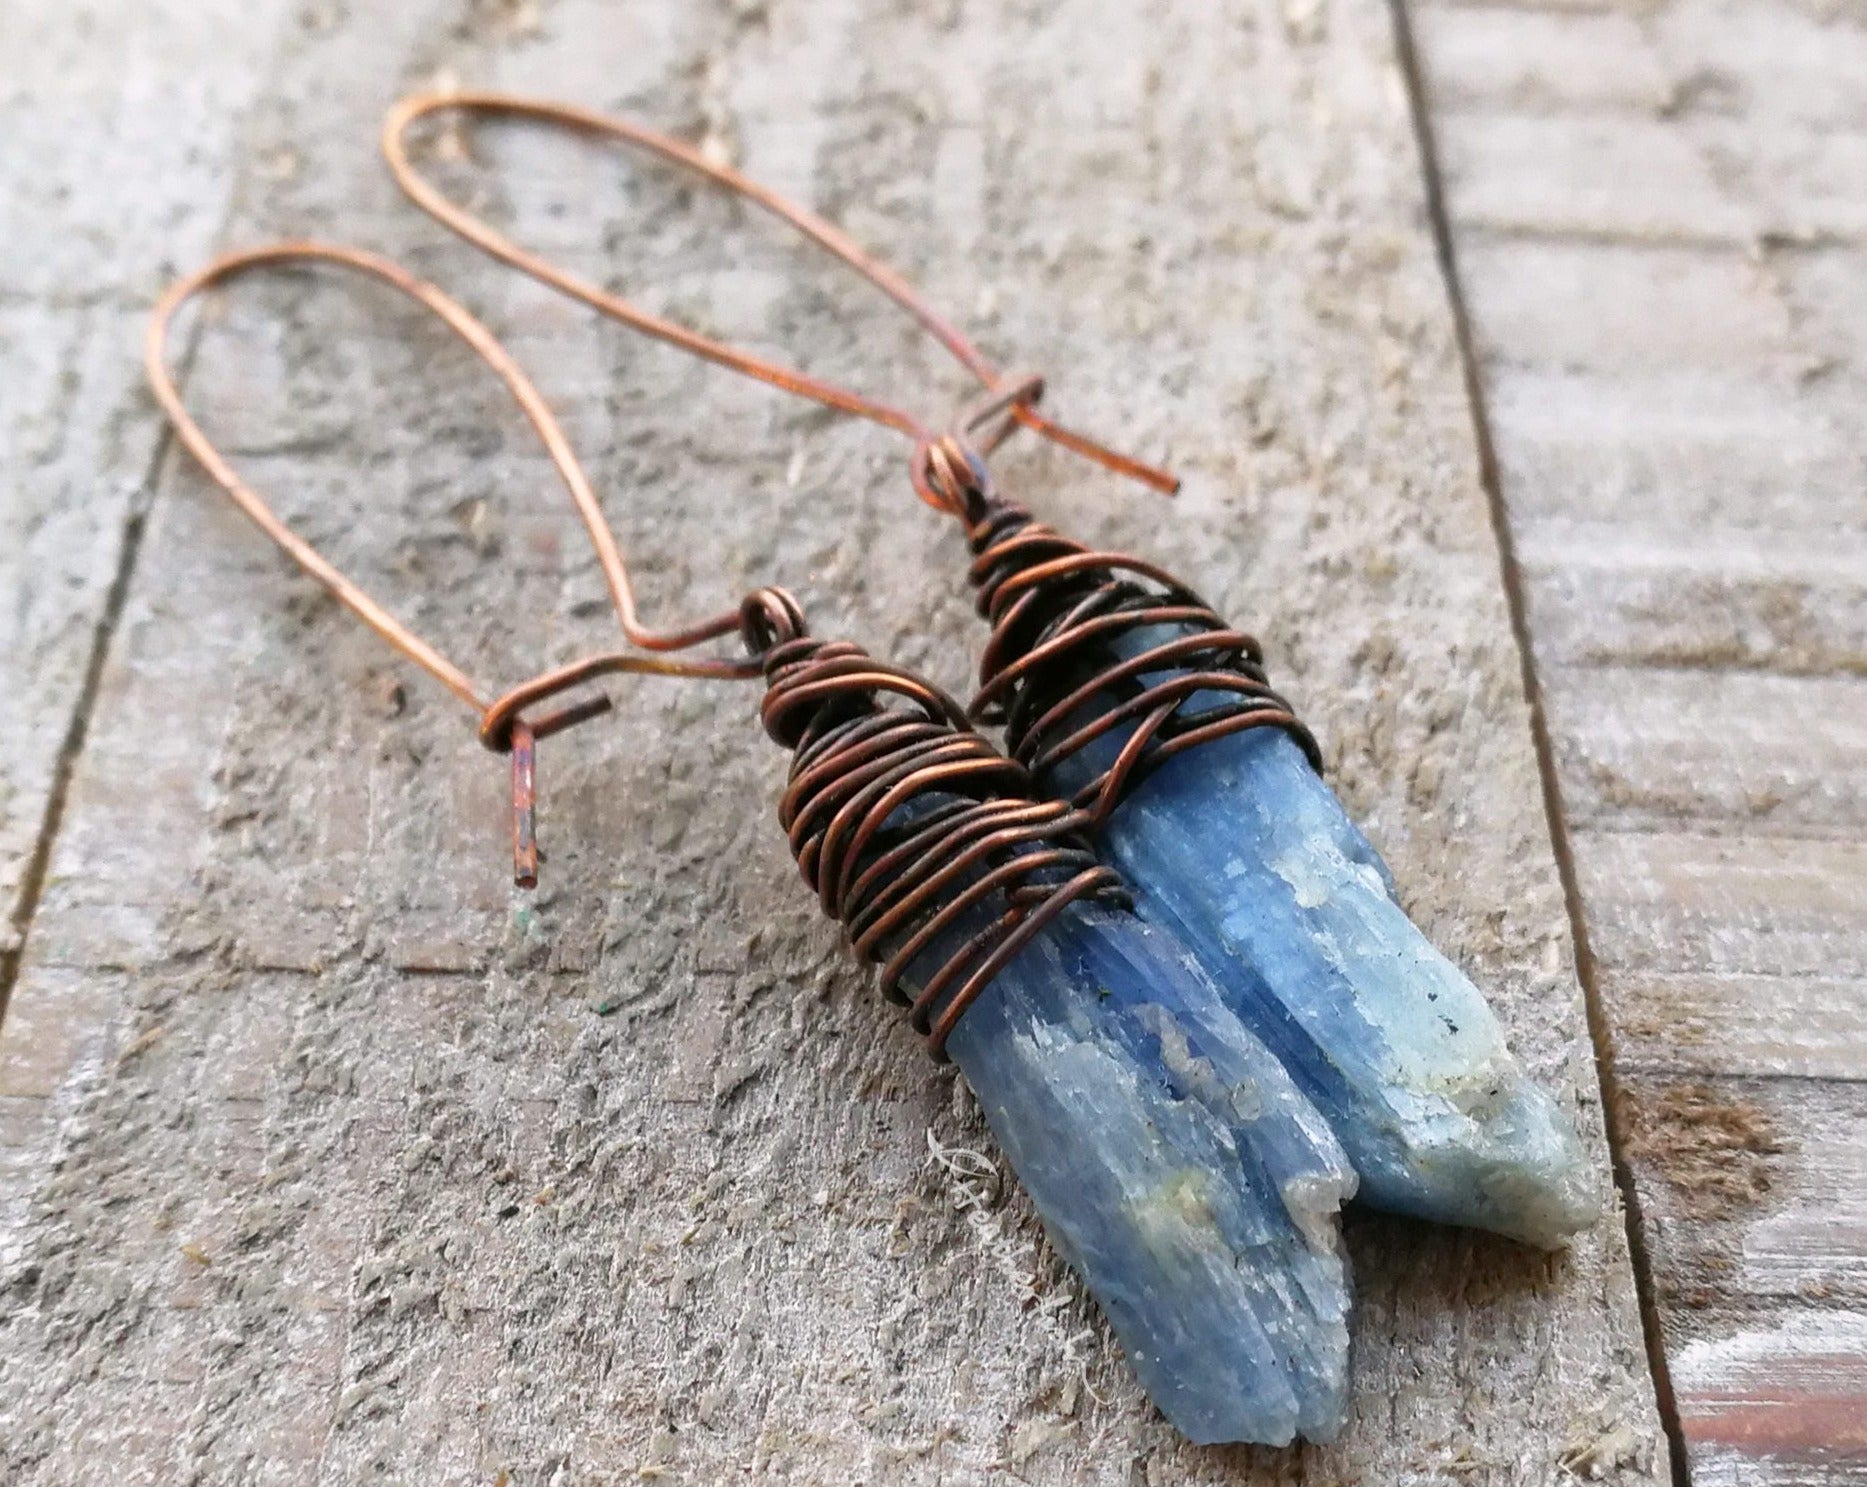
(1656, 216)
(327, 1160)
(120, 122)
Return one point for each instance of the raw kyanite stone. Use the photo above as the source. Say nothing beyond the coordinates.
(1240, 850)
(1176, 1167)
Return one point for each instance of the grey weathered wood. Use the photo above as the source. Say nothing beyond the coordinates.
(1657, 217)
(329, 1160)
(120, 123)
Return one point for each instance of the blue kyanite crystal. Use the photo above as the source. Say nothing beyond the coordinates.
(1175, 1166)
(1240, 850)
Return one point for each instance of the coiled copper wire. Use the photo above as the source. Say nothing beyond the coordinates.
(921, 838)
(1050, 672)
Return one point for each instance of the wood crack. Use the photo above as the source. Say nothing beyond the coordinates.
(1599, 1028)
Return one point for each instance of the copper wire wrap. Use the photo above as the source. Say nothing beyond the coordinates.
(1049, 673)
(970, 838)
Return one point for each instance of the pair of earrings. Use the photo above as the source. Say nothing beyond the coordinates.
(1124, 693)
(1189, 1077)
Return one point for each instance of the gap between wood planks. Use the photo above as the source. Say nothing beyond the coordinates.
(103, 635)
(78, 726)
(1598, 1031)
(64, 766)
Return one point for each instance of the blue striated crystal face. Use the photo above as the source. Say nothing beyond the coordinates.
(1241, 851)
(1176, 1167)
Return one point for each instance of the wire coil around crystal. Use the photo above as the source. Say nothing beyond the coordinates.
(914, 831)
(1058, 609)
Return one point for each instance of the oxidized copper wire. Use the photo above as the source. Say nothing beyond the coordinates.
(1058, 609)
(1055, 605)
(913, 830)
(1050, 675)
(917, 834)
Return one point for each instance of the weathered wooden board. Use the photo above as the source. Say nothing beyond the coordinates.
(328, 1160)
(120, 123)
(1658, 224)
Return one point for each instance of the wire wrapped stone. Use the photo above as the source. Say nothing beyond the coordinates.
(1072, 626)
(913, 830)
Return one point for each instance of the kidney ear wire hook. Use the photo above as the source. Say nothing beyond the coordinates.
(507, 723)
(1010, 401)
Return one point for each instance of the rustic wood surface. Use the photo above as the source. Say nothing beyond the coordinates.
(1660, 217)
(122, 124)
(325, 1158)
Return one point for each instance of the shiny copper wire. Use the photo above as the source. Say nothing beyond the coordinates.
(1049, 673)
(1018, 394)
(503, 726)
(980, 866)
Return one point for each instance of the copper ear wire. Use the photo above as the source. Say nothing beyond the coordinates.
(1013, 399)
(1056, 607)
(979, 865)
(503, 728)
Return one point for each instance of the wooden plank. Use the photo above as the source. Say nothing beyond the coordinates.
(1725, 1022)
(1787, 1391)
(1644, 748)
(1653, 309)
(118, 141)
(1508, 62)
(1761, 1182)
(1665, 298)
(1787, 67)
(1684, 448)
(1715, 601)
(1730, 949)
(336, 1162)
(1737, 904)
(1595, 177)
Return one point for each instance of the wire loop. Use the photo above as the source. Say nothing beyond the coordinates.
(1013, 397)
(502, 725)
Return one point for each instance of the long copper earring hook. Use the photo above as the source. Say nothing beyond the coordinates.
(503, 726)
(1019, 394)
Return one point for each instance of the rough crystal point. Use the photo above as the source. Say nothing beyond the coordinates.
(1176, 1167)
(1241, 851)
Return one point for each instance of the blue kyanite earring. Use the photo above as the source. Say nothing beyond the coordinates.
(1122, 691)
(1175, 1164)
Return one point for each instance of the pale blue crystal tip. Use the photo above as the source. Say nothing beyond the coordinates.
(1240, 850)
